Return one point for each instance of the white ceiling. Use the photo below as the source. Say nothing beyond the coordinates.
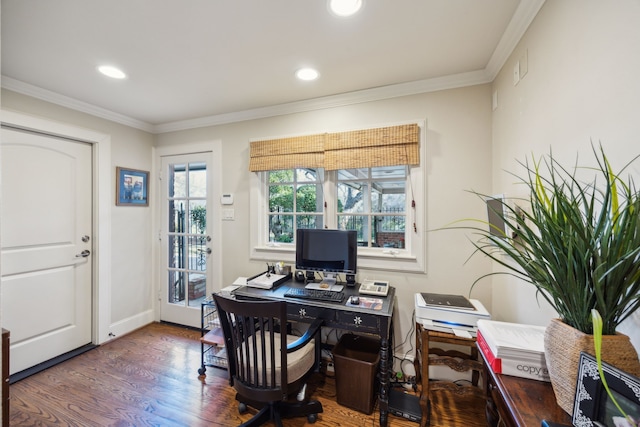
(198, 62)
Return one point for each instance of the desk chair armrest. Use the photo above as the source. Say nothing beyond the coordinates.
(308, 336)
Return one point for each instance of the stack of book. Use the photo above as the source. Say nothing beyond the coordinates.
(513, 348)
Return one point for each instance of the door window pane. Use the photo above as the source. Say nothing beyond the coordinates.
(198, 216)
(176, 251)
(177, 181)
(197, 180)
(176, 286)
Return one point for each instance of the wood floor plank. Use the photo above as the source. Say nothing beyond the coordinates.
(149, 378)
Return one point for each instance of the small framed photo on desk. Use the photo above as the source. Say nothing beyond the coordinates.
(593, 406)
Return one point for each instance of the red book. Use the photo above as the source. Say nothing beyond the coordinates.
(494, 362)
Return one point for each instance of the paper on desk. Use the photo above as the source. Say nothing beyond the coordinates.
(366, 302)
(242, 281)
(265, 281)
(462, 333)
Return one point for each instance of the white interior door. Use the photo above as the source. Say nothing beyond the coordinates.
(187, 242)
(46, 241)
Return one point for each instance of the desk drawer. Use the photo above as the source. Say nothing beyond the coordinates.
(307, 313)
(355, 321)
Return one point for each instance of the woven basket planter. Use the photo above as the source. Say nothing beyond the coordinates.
(562, 347)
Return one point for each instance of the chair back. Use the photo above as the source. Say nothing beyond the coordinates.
(257, 366)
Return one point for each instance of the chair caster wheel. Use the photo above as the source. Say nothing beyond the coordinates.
(242, 408)
(202, 370)
(312, 418)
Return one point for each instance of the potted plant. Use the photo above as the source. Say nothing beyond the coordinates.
(579, 244)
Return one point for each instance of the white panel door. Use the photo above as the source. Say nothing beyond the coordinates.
(46, 240)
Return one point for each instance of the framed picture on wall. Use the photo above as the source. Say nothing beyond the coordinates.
(132, 187)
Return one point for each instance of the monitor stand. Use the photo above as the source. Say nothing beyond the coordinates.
(328, 283)
(329, 279)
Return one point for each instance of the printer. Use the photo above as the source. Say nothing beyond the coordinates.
(461, 321)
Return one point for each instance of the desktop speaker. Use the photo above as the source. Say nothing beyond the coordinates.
(299, 276)
(351, 279)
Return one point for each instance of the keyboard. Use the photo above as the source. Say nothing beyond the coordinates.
(315, 294)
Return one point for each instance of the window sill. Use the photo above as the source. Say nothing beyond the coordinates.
(385, 260)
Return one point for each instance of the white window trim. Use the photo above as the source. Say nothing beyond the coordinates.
(412, 259)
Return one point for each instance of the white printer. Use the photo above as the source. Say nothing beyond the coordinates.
(452, 317)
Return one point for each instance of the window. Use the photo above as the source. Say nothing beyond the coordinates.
(378, 201)
(304, 210)
(372, 201)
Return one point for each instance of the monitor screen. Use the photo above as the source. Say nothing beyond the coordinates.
(334, 251)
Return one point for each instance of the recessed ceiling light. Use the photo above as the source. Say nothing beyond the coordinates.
(307, 74)
(113, 72)
(345, 7)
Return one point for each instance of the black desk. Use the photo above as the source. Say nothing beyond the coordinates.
(341, 316)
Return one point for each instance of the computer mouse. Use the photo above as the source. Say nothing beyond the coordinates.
(354, 300)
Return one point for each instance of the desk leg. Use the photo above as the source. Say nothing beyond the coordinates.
(384, 381)
(424, 373)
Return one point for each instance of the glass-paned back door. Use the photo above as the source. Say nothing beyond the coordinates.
(186, 244)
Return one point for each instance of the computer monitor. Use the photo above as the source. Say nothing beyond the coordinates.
(328, 251)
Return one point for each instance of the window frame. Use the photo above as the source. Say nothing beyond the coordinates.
(412, 258)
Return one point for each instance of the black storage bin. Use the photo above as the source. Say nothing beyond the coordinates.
(356, 361)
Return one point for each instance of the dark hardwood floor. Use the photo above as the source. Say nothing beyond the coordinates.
(149, 378)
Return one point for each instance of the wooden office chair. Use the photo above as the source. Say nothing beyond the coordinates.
(264, 377)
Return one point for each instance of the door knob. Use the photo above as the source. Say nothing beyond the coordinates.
(84, 254)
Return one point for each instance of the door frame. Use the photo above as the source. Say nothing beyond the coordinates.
(214, 230)
(101, 208)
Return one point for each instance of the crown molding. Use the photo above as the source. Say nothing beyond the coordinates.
(522, 18)
(351, 98)
(72, 103)
(333, 101)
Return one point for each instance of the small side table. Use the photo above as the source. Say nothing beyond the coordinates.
(445, 402)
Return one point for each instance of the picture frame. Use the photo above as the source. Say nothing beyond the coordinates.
(593, 406)
(132, 187)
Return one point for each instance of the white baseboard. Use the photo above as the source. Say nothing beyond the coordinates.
(130, 324)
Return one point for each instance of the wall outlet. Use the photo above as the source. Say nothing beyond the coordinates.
(330, 368)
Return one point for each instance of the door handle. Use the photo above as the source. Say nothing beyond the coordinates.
(84, 254)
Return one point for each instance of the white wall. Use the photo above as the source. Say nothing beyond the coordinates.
(581, 86)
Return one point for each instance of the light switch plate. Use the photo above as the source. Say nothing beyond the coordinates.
(228, 214)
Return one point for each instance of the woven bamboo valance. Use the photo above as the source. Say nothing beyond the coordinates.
(387, 146)
(287, 153)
